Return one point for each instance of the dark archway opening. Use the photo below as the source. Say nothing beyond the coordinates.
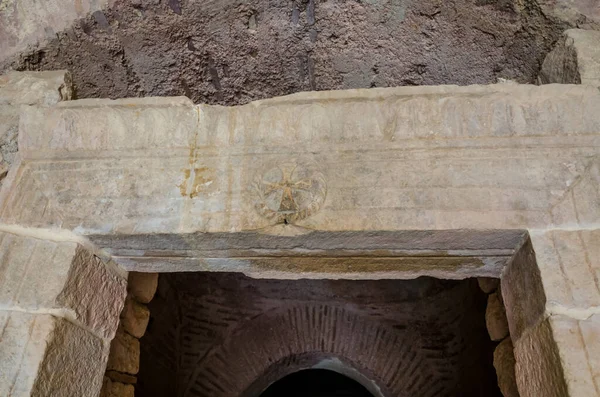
(316, 383)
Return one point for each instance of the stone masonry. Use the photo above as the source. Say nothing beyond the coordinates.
(495, 181)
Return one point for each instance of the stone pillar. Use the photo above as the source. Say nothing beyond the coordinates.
(59, 310)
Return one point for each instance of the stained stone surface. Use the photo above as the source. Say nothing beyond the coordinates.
(134, 318)
(217, 334)
(504, 363)
(43, 355)
(574, 60)
(60, 278)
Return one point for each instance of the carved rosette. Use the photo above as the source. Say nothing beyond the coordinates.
(289, 192)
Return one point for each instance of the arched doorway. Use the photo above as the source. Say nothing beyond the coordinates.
(316, 383)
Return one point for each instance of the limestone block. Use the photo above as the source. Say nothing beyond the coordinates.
(487, 284)
(426, 158)
(26, 88)
(42, 355)
(26, 22)
(495, 318)
(61, 278)
(559, 357)
(574, 60)
(116, 389)
(35, 88)
(569, 264)
(135, 317)
(538, 368)
(96, 125)
(578, 344)
(124, 354)
(504, 363)
(142, 286)
(523, 292)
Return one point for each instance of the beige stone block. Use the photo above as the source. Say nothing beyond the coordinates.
(570, 267)
(35, 88)
(504, 363)
(42, 355)
(124, 354)
(116, 389)
(142, 286)
(538, 368)
(578, 348)
(487, 284)
(523, 292)
(574, 60)
(135, 317)
(495, 318)
(62, 278)
(106, 125)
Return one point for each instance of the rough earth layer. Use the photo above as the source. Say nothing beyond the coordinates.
(235, 51)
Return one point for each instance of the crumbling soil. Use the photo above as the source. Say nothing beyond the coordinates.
(235, 51)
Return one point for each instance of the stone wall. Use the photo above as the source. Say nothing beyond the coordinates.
(124, 357)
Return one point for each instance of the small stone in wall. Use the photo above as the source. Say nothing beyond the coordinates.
(495, 318)
(142, 286)
(124, 354)
(116, 389)
(135, 317)
(504, 362)
(488, 284)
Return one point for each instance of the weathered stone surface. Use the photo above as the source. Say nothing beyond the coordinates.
(61, 278)
(142, 286)
(211, 185)
(26, 23)
(579, 351)
(42, 355)
(569, 262)
(538, 368)
(495, 318)
(26, 88)
(124, 354)
(574, 60)
(135, 317)
(35, 88)
(523, 292)
(488, 285)
(504, 362)
(116, 389)
(576, 13)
